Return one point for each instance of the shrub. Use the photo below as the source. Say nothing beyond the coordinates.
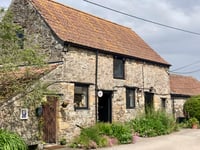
(102, 134)
(11, 141)
(88, 137)
(122, 132)
(191, 107)
(193, 121)
(153, 123)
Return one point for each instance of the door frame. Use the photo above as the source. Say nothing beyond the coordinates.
(51, 100)
(148, 101)
(105, 106)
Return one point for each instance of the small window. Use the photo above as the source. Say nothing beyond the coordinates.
(81, 96)
(118, 68)
(163, 103)
(20, 36)
(130, 98)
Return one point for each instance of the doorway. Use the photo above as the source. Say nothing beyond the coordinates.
(49, 120)
(149, 106)
(105, 107)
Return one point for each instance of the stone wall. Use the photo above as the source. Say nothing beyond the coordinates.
(178, 106)
(37, 33)
(79, 66)
(10, 120)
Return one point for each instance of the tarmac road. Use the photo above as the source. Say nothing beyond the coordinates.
(187, 139)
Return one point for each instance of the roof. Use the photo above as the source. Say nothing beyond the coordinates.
(184, 85)
(25, 72)
(80, 28)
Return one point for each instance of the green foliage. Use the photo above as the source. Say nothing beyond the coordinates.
(191, 107)
(15, 79)
(11, 50)
(193, 121)
(11, 141)
(100, 134)
(153, 124)
(122, 132)
(63, 141)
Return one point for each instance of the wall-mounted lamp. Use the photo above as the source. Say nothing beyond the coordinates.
(152, 89)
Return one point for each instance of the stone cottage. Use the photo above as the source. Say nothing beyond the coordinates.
(106, 72)
(182, 88)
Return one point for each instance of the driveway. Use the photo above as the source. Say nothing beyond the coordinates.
(187, 139)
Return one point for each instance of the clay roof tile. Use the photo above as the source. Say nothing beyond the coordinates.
(77, 27)
(184, 85)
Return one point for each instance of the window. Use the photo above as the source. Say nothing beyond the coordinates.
(81, 96)
(163, 103)
(130, 98)
(20, 36)
(118, 68)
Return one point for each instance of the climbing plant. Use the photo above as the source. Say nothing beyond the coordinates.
(20, 66)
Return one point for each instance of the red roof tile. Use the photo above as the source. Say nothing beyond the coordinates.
(184, 85)
(77, 27)
(24, 72)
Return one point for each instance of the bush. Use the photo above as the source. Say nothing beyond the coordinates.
(101, 134)
(122, 132)
(193, 121)
(11, 141)
(153, 123)
(191, 107)
(89, 137)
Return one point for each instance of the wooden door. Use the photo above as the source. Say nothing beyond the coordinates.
(49, 116)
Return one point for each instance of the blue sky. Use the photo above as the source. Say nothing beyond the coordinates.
(176, 47)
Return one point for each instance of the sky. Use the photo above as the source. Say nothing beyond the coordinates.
(180, 49)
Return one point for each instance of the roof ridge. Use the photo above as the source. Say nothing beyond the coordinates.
(70, 7)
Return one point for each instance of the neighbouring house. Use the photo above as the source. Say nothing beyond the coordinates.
(182, 88)
(108, 73)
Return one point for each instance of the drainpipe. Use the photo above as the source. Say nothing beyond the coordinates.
(96, 85)
(173, 108)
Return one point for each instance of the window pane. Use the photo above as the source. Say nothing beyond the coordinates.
(81, 96)
(118, 68)
(130, 98)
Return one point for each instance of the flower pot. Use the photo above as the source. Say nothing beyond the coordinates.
(194, 126)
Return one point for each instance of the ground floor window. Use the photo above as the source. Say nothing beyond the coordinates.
(130, 98)
(163, 103)
(81, 96)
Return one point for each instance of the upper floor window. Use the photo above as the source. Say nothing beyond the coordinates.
(20, 36)
(118, 68)
(130, 98)
(81, 96)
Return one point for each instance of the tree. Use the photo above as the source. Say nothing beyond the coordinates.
(17, 64)
(191, 107)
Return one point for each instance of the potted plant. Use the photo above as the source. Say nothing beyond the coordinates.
(63, 141)
(193, 123)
